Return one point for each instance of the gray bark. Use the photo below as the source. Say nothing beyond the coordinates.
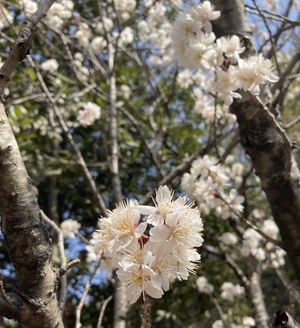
(34, 302)
(265, 145)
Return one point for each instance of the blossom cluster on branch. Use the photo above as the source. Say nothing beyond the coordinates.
(196, 47)
(147, 263)
(214, 186)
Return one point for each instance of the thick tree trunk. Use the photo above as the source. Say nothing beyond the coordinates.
(264, 144)
(34, 302)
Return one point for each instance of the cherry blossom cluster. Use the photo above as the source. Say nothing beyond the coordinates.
(196, 48)
(89, 114)
(148, 263)
(256, 245)
(208, 183)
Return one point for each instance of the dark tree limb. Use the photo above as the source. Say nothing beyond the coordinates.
(282, 319)
(265, 144)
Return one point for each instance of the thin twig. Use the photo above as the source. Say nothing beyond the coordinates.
(146, 318)
(4, 296)
(69, 136)
(270, 34)
(221, 313)
(68, 266)
(61, 248)
(21, 47)
(103, 307)
(181, 168)
(252, 226)
(295, 121)
(84, 295)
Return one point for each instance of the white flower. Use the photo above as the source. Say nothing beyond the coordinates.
(122, 224)
(234, 207)
(248, 321)
(136, 280)
(231, 47)
(143, 30)
(264, 68)
(54, 22)
(79, 56)
(197, 55)
(137, 274)
(164, 205)
(126, 36)
(63, 9)
(270, 228)
(89, 114)
(251, 242)
(259, 253)
(83, 34)
(229, 238)
(218, 324)
(185, 27)
(277, 258)
(204, 286)
(49, 65)
(227, 83)
(70, 228)
(184, 79)
(107, 24)
(125, 5)
(206, 14)
(182, 227)
(125, 91)
(98, 43)
(230, 291)
(29, 7)
(146, 265)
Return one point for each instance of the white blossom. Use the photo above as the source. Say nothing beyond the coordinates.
(69, 228)
(146, 265)
(98, 43)
(83, 34)
(89, 114)
(126, 36)
(143, 30)
(248, 322)
(228, 238)
(184, 79)
(29, 7)
(218, 324)
(50, 65)
(204, 286)
(125, 91)
(231, 291)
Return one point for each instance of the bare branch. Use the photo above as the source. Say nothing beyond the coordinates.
(84, 295)
(103, 307)
(146, 318)
(69, 136)
(21, 47)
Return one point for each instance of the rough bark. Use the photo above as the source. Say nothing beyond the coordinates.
(282, 319)
(34, 302)
(265, 145)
